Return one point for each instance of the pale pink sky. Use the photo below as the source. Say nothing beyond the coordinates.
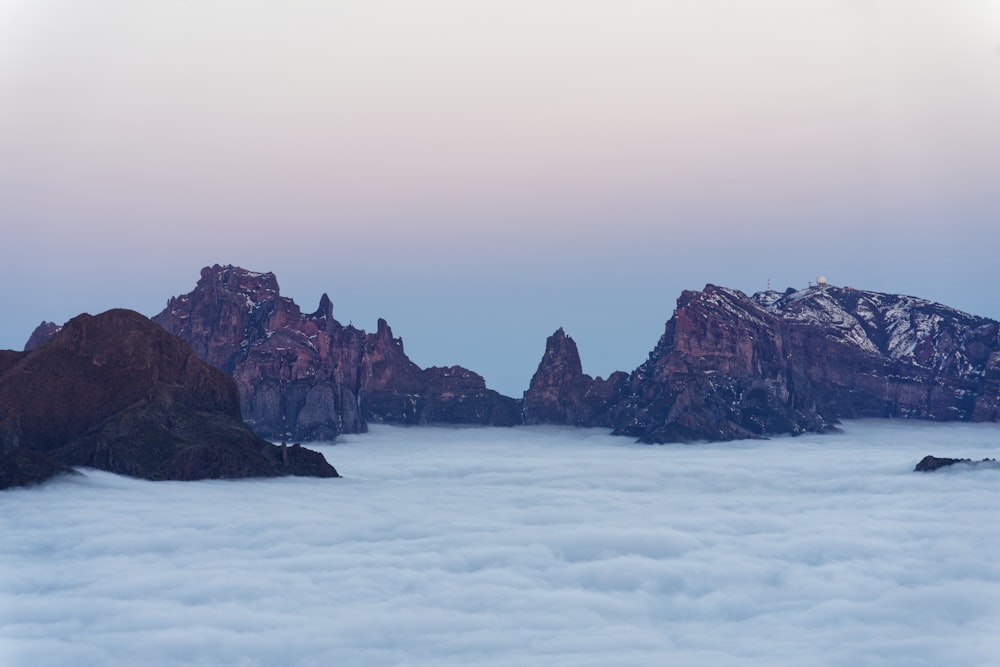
(481, 173)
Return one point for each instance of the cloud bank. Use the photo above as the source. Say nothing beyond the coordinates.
(528, 546)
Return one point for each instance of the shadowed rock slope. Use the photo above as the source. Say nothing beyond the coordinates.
(116, 392)
(732, 366)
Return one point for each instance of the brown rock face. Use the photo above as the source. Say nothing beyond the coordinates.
(306, 376)
(116, 392)
(719, 372)
(731, 366)
(561, 393)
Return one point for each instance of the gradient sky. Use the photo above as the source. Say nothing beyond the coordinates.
(481, 173)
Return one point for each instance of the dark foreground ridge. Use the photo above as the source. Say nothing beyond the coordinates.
(116, 392)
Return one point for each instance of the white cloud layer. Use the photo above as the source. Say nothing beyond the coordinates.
(528, 546)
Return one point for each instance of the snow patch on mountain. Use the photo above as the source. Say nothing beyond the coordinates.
(898, 327)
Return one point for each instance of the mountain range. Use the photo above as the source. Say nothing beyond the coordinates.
(728, 366)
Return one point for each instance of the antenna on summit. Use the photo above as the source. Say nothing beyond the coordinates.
(768, 284)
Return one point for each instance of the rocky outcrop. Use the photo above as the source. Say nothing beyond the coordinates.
(932, 463)
(732, 366)
(42, 333)
(116, 392)
(561, 393)
(305, 376)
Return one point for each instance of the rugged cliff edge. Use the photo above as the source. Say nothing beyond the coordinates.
(732, 366)
(116, 392)
(305, 376)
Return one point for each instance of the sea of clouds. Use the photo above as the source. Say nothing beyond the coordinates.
(526, 546)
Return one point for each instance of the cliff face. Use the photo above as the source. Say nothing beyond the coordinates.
(297, 373)
(719, 372)
(733, 366)
(117, 392)
(306, 376)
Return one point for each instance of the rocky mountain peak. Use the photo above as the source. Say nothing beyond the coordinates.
(234, 279)
(307, 377)
(325, 309)
(42, 333)
(561, 356)
(383, 332)
(560, 392)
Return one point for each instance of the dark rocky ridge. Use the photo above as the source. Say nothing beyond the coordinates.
(732, 366)
(931, 463)
(116, 392)
(305, 376)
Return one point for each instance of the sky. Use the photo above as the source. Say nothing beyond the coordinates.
(482, 173)
(527, 546)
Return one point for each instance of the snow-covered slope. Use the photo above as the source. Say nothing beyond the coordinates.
(898, 327)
